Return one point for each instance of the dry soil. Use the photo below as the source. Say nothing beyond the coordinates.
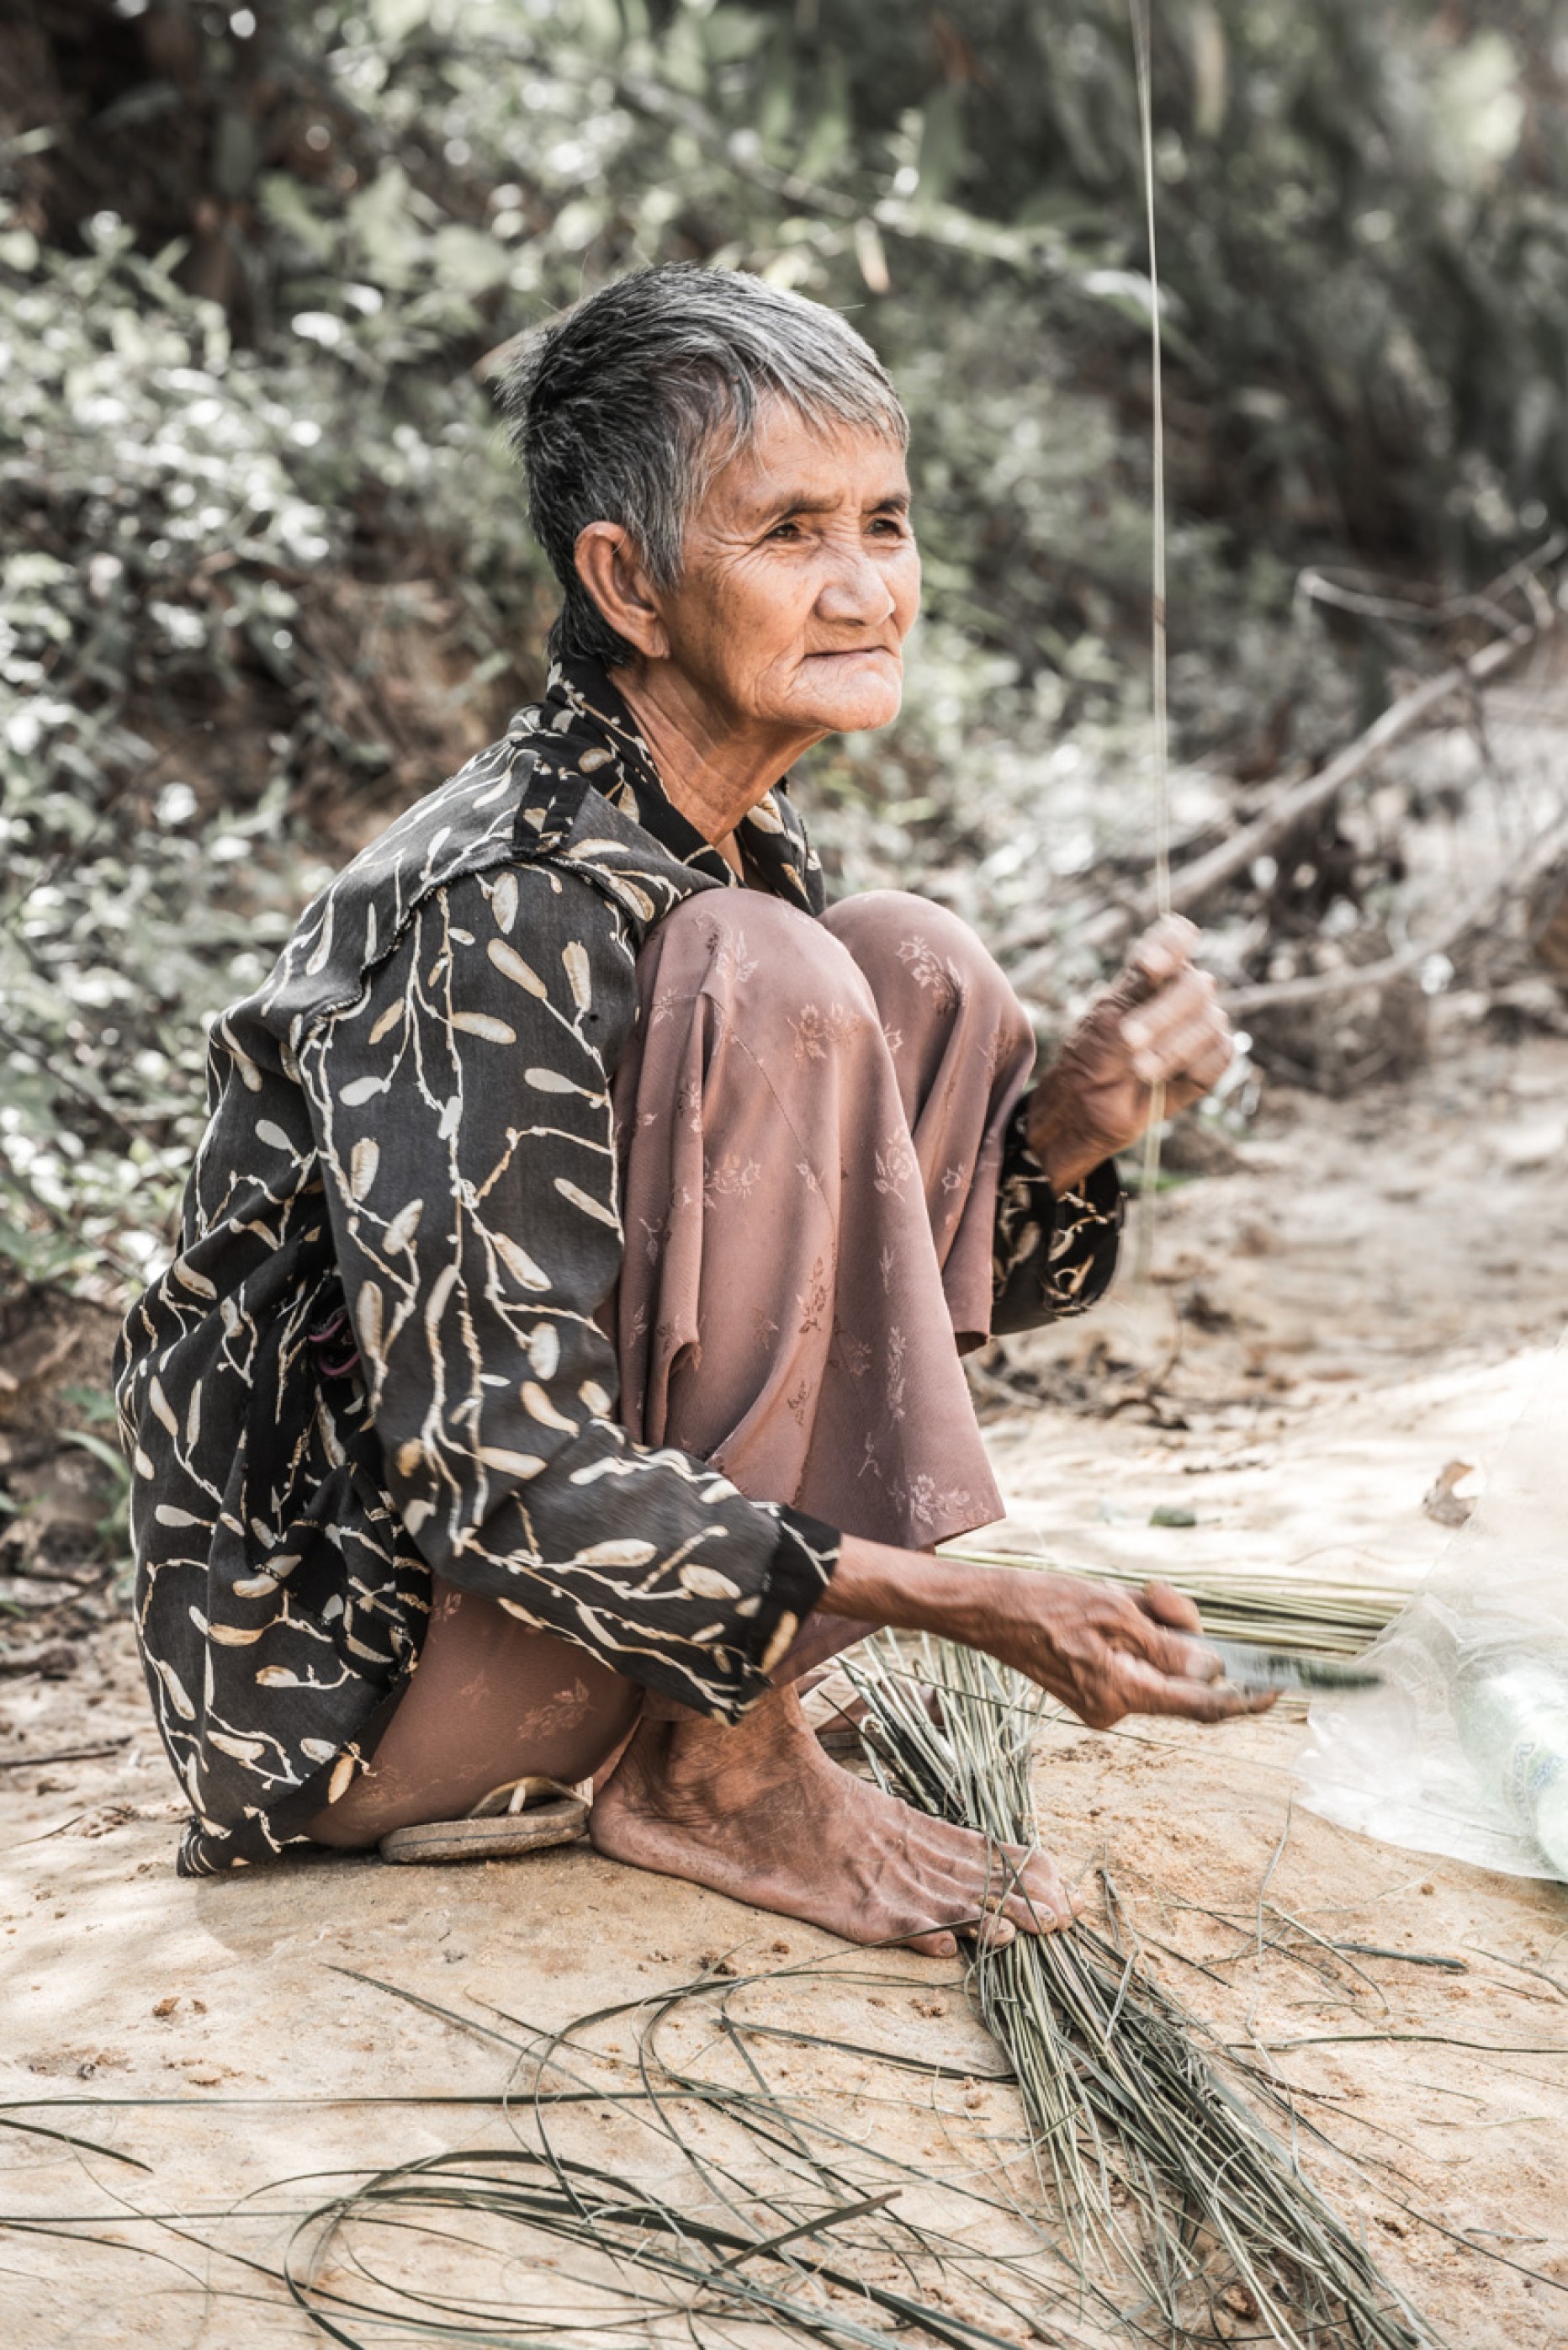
(1360, 1300)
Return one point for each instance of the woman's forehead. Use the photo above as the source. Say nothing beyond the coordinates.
(811, 465)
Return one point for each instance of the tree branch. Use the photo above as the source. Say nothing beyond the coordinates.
(1516, 875)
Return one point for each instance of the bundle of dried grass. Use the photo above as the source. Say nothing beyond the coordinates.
(1163, 2177)
(1277, 1611)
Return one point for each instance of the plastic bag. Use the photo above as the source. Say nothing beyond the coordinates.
(1464, 1750)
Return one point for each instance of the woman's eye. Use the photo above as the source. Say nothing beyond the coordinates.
(786, 530)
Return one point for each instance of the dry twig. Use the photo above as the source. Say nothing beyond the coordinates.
(1516, 877)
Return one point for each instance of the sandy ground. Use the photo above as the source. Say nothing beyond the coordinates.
(1360, 1300)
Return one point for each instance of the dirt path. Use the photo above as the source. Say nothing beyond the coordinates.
(1356, 1304)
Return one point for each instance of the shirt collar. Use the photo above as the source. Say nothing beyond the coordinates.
(590, 730)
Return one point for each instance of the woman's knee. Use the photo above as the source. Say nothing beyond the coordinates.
(901, 940)
(751, 951)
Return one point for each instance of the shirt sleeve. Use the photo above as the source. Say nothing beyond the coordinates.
(466, 1140)
(1054, 1255)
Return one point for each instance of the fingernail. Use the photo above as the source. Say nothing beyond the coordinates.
(1134, 1033)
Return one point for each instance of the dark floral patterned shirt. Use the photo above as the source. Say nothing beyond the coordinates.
(375, 1354)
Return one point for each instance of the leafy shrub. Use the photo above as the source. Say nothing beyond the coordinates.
(180, 517)
(264, 573)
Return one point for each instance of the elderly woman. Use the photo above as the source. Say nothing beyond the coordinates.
(562, 1355)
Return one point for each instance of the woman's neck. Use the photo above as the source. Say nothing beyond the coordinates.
(713, 773)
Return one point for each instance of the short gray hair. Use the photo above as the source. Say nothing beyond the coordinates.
(624, 407)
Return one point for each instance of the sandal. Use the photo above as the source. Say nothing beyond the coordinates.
(522, 1815)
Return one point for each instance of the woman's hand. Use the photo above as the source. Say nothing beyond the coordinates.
(1106, 1652)
(1099, 1649)
(1160, 1023)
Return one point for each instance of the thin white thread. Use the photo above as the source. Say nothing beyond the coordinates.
(1138, 11)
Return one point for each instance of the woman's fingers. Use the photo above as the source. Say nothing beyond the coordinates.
(1213, 1701)
(1205, 1696)
(1181, 1032)
(1162, 1626)
(1168, 1605)
(1201, 1047)
(1160, 1024)
(1182, 1657)
(1108, 1654)
(1164, 949)
(1171, 1642)
(1148, 1663)
(1202, 1042)
(1213, 1051)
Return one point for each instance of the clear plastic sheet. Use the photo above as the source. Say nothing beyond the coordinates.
(1466, 1744)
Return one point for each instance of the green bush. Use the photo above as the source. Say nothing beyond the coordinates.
(264, 572)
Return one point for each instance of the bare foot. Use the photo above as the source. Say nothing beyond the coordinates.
(758, 1811)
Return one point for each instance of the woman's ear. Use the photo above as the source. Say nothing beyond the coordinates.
(611, 570)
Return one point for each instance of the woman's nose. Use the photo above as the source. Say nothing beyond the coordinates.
(855, 589)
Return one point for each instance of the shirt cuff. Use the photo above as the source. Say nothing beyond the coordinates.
(1054, 1256)
(799, 1573)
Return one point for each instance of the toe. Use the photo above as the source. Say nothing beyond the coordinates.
(1038, 1896)
(1037, 1916)
(992, 1932)
(932, 1946)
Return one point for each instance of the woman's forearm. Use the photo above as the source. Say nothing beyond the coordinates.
(910, 1591)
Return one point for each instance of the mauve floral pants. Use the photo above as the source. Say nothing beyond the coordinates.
(811, 1118)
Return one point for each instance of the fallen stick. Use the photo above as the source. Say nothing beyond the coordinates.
(1192, 884)
(1517, 875)
(54, 1661)
(1319, 587)
(1199, 879)
(1105, 930)
(63, 1755)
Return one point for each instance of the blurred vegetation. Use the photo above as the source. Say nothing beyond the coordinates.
(264, 573)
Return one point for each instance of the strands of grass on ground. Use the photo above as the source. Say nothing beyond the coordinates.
(748, 2211)
(1276, 1611)
(735, 2241)
(761, 2212)
(1162, 2176)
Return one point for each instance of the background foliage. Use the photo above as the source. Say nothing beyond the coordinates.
(264, 573)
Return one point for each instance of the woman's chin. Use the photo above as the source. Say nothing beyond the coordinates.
(864, 698)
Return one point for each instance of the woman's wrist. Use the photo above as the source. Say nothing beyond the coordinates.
(1057, 1137)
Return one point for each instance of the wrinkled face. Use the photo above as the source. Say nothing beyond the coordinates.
(801, 581)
